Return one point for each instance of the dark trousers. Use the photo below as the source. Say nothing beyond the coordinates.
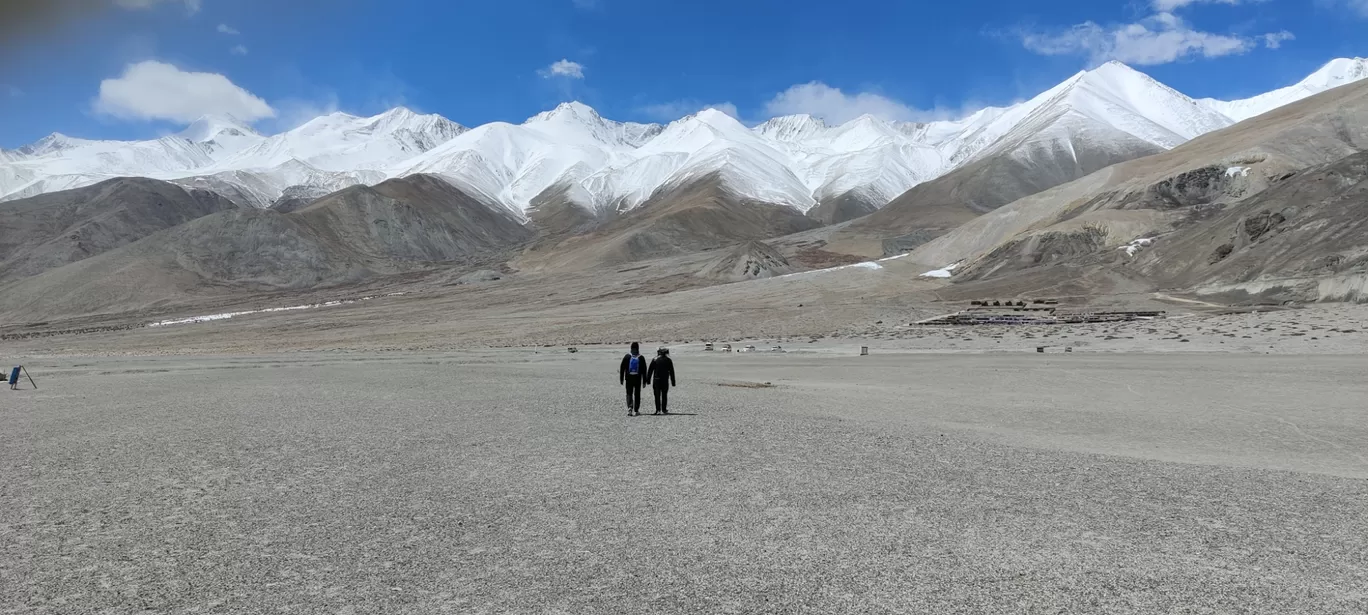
(662, 398)
(634, 393)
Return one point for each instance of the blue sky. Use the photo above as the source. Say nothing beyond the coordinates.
(476, 61)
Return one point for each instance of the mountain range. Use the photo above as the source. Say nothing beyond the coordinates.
(603, 167)
(1109, 183)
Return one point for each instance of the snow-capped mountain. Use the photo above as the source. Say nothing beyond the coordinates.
(792, 128)
(223, 154)
(221, 135)
(1122, 98)
(1110, 107)
(510, 164)
(342, 142)
(874, 159)
(1096, 117)
(1334, 74)
(58, 162)
(707, 142)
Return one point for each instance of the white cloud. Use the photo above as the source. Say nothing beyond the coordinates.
(193, 6)
(670, 111)
(1274, 40)
(563, 68)
(1158, 39)
(1168, 6)
(153, 90)
(227, 29)
(238, 50)
(835, 107)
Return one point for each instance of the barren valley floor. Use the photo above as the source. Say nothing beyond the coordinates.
(511, 481)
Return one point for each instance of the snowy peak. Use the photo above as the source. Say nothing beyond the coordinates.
(573, 111)
(574, 123)
(221, 136)
(210, 128)
(402, 118)
(864, 132)
(1117, 77)
(1119, 96)
(398, 118)
(695, 132)
(399, 114)
(344, 143)
(719, 120)
(1116, 70)
(54, 143)
(422, 131)
(1337, 72)
(792, 127)
(334, 122)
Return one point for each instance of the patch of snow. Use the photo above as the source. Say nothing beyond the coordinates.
(943, 272)
(867, 265)
(227, 315)
(1136, 244)
(1240, 171)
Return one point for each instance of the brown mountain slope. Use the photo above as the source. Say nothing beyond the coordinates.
(51, 230)
(415, 219)
(753, 260)
(353, 235)
(848, 206)
(701, 215)
(554, 214)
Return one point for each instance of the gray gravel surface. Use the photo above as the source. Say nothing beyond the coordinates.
(513, 482)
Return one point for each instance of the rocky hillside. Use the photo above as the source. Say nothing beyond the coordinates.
(52, 230)
(1270, 208)
(355, 235)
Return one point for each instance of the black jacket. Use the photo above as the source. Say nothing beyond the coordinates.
(626, 360)
(660, 369)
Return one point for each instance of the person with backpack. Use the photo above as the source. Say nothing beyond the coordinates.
(661, 375)
(631, 373)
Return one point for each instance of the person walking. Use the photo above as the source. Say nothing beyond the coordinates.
(631, 373)
(661, 375)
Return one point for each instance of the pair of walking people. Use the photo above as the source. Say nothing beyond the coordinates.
(660, 374)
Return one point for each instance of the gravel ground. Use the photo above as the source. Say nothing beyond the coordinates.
(512, 482)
